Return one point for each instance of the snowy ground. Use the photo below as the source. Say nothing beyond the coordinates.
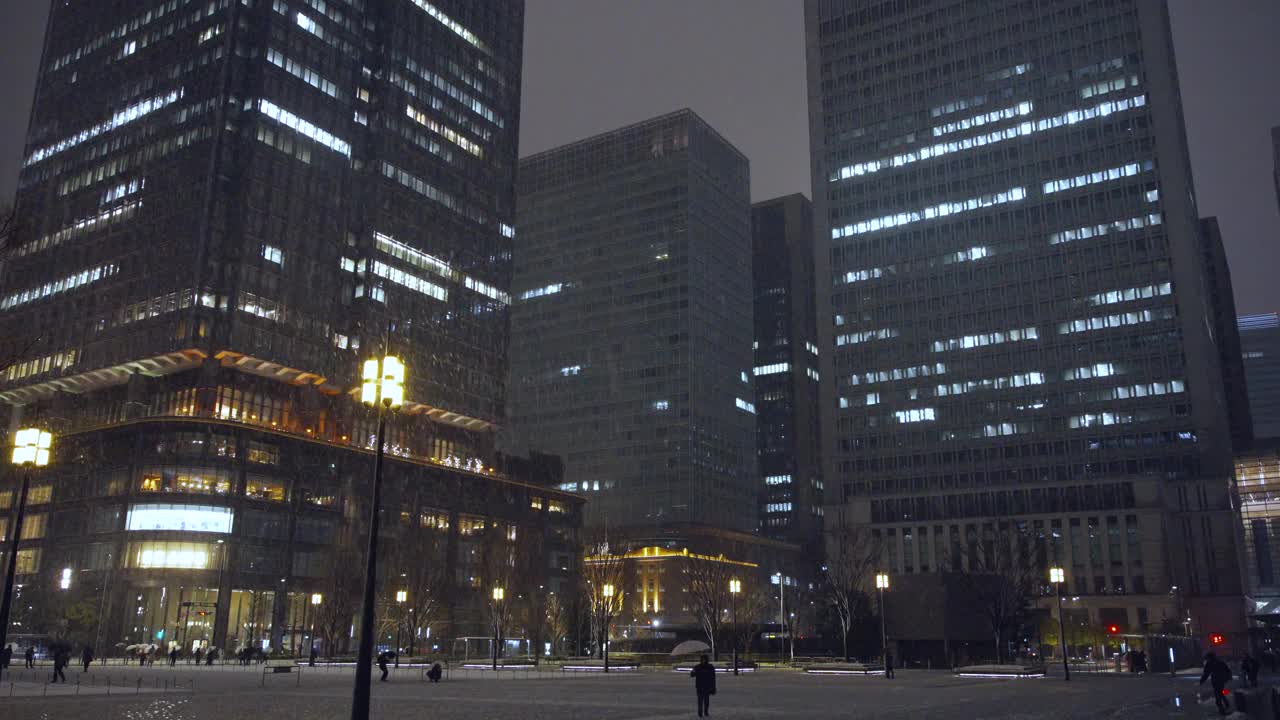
(191, 693)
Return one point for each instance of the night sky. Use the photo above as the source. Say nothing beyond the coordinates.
(593, 65)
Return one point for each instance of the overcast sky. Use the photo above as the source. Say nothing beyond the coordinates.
(593, 65)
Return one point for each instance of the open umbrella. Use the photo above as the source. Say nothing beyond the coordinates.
(690, 647)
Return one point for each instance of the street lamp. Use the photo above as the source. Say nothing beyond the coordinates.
(1058, 576)
(401, 596)
(608, 606)
(499, 596)
(30, 449)
(882, 584)
(316, 599)
(735, 587)
(383, 388)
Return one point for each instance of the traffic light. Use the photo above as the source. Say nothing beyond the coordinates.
(1216, 639)
(1113, 629)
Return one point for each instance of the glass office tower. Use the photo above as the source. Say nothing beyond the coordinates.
(1016, 327)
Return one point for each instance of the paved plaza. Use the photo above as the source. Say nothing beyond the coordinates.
(235, 693)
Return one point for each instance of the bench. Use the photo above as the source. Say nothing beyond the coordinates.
(277, 666)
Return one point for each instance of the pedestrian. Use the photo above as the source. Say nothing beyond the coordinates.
(888, 665)
(199, 655)
(704, 683)
(1142, 661)
(1218, 675)
(312, 659)
(209, 656)
(173, 656)
(382, 664)
(30, 657)
(86, 657)
(434, 673)
(6, 653)
(1249, 667)
(60, 659)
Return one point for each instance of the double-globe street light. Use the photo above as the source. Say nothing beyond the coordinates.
(401, 596)
(1058, 576)
(608, 612)
(882, 584)
(499, 598)
(30, 449)
(382, 388)
(316, 599)
(735, 587)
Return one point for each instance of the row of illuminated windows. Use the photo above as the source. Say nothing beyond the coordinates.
(538, 292)
(1099, 176)
(464, 121)
(773, 369)
(1106, 86)
(1113, 321)
(427, 190)
(1089, 420)
(745, 406)
(100, 221)
(119, 119)
(905, 373)
(1089, 231)
(813, 374)
(258, 306)
(452, 91)
(302, 72)
(117, 32)
(984, 339)
(929, 213)
(1129, 294)
(417, 258)
(1129, 392)
(316, 29)
(1022, 129)
(1022, 108)
(152, 307)
(454, 26)
(304, 127)
(122, 190)
(1000, 383)
(61, 285)
(915, 415)
(444, 131)
(284, 142)
(143, 156)
(777, 480)
(27, 368)
(777, 507)
(413, 282)
(865, 335)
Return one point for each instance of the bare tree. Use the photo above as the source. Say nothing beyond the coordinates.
(707, 584)
(603, 586)
(338, 603)
(1000, 579)
(558, 620)
(751, 608)
(415, 567)
(852, 556)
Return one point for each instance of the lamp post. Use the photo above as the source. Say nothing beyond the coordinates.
(735, 587)
(882, 584)
(30, 449)
(316, 599)
(782, 615)
(499, 596)
(401, 596)
(1057, 576)
(607, 606)
(383, 388)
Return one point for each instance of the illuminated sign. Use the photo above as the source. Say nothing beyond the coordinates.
(187, 518)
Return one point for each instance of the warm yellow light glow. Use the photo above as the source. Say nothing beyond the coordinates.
(383, 382)
(369, 388)
(882, 581)
(735, 586)
(499, 593)
(31, 447)
(1057, 575)
(316, 598)
(401, 596)
(608, 591)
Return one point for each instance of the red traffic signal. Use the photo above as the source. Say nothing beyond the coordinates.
(1113, 629)
(1216, 639)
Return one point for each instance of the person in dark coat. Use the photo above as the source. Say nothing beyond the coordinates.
(383, 658)
(888, 665)
(6, 654)
(86, 657)
(60, 659)
(210, 656)
(1249, 667)
(434, 673)
(704, 682)
(30, 657)
(312, 660)
(1218, 675)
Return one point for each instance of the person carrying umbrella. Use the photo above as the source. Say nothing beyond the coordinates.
(704, 683)
(383, 658)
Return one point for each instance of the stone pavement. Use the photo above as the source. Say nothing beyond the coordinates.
(325, 694)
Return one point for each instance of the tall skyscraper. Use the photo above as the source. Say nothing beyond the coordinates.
(786, 371)
(631, 323)
(1017, 336)
(1260, 351)
(224, 208)
(1226, 333)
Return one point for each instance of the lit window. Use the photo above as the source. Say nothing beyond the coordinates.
(1099, 176)
(447, 133)
(571, 370)
(453, 25)
(773, 369)
(1022, 108)
(293, 122)
(61, 285)
(983, 339)
(551, 289)
(777, 480)
(745, 406)
(273, 254)
(929, 213)
(1138, 293)
(1088, 231)
(913, 416)
(124, 117)
(185, 518)
(866, 335)
(1114, 321)
(408, 280)
(661, 405)
(176, 555)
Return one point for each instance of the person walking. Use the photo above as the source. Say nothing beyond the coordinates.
(383, 659)
(1218, 674)
(704, 683)
(60, 659)
(312, 659)
(86, 657)
(199, 655)
(210, 656)
(888, 665)
(1249, 667)
(173, 656)
(30, 657)
(6, 653)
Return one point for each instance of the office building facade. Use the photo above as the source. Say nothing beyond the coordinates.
(631, 324)
(786, 370)
(1226, 333)
(224, 208)
(1260, 352)
(1017, 323)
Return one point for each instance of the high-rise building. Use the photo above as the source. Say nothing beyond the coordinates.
(1260, 351)
(1226, 333)
(786, 371)
(1017, 332)
(224, 208)
(631, 323)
